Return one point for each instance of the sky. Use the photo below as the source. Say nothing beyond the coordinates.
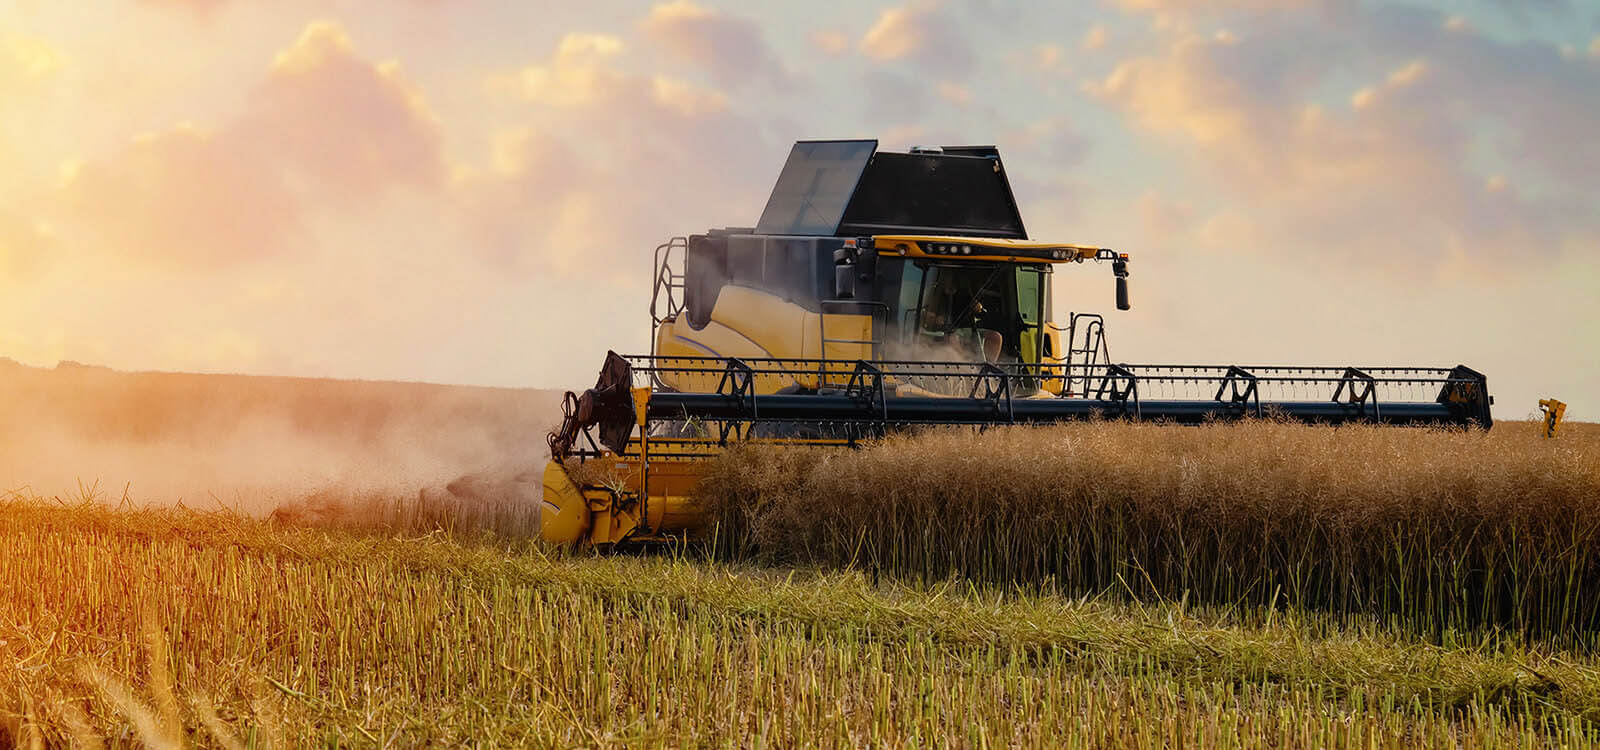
(470, 192)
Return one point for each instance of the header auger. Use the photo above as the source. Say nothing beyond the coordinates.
(881, 291)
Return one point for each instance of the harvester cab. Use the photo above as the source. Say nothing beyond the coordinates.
(879, 290)
(868, 255)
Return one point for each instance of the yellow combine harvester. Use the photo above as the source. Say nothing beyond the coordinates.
(881, 290)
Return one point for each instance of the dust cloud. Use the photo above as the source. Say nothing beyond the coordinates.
(303, 447)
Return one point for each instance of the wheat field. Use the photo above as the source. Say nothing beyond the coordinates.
(166, 628)
(1433, 529)
(1096, 585)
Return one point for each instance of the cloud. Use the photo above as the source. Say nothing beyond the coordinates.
(678, 159)
(1094, 38)
(893, 99)
(1529, 10)
(1397, 176)
(730, 48)
(830, 41)
(584, 74)
(534, 207)
(1047, 62)
(1042, 155)
(198, 7)
(1207, 6)
(574, 74)
(329, 140)
(954, 93)
(922, 34)
(1054, 139)
(183, 197)
(25, 60)
(325, 130)
(23, 245)
(353, 126)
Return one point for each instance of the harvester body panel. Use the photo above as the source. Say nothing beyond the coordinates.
(752, 323)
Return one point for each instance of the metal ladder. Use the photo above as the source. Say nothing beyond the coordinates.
(879, 314)
(1086, 348)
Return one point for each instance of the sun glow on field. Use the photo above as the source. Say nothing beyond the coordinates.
(175, 626)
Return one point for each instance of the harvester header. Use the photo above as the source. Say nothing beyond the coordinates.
(882, 290)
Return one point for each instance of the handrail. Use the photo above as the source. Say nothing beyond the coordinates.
(665, 283)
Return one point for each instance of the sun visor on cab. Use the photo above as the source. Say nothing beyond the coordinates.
(849, 188)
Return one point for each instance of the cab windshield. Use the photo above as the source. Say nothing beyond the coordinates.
(970, 312)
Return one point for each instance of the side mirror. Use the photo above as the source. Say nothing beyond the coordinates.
(844, 273)
(1120, 268)
(866, 265)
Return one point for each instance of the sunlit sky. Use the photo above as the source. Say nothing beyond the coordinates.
(469, 192)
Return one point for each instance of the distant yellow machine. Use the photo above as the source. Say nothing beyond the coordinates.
(880, 290)
(1554, 411)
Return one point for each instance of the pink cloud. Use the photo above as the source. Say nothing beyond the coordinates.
(181, 197)
(731, 48)
(679, 159)
(352, 126)
(1388, 178)
(324, 128)
(195, 6)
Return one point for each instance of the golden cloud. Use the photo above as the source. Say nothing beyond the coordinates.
(23, 245)
(898, 33)
(554, 202)
(324, 128)
(921, 33)
(28, 58)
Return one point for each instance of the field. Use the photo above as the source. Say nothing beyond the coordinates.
(166, 627)
(1092, 585)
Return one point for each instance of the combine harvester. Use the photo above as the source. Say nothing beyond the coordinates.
(882, 290)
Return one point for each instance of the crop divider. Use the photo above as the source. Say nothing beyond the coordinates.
(996, 385)
(1240, 386)
(738, 383)
(866, 386)
(1121, 384)
(1363, 388)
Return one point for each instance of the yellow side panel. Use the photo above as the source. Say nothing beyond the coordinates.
(811, 341)
(670, 486)
(774, 323)
(745, 323)
(564, 517)
(1029, 339)
(1054, 374)
(677, 339)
